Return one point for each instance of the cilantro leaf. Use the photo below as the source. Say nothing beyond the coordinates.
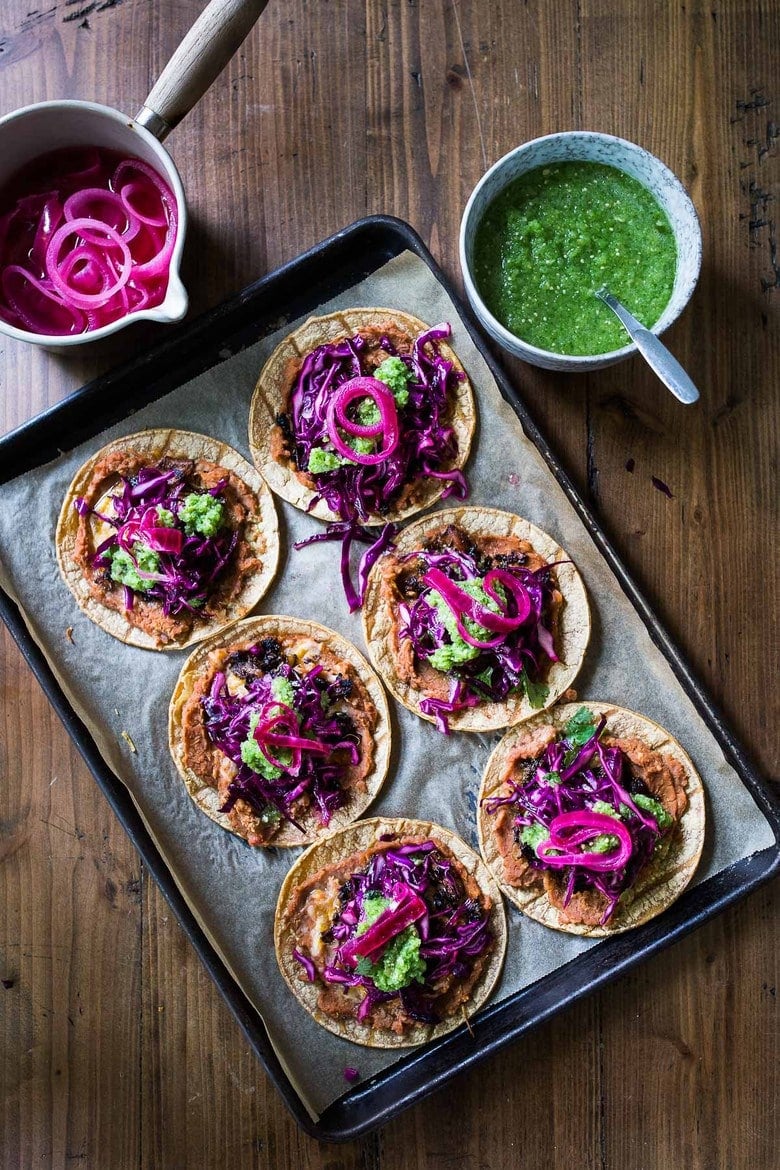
(536, 693)
(580, 727)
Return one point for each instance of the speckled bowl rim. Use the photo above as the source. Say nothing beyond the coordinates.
(548, 358)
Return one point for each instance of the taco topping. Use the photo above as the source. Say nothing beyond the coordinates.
(280, 728)
(396, 934)
(376, 398)
(581, 814)
(162, 542)
(476, 620)
(368, 421)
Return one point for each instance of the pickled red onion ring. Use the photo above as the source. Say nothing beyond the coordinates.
(514, 587)
(132, 209)
(574, 828)
(89, 278)
(123, 190)
(358, 388)
(70, 295)
(104, 206)
(299, 742)
(278, 727)
(388, 427)
(80, 268)
(27, 311)
(388, 925)
(463, 605)
(50, 220)
(157, 265)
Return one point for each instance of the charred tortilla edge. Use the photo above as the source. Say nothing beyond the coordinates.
(261, 533)
(573, 634)
(662, 881)
(269, 625)
(354, 839)
(268, 401)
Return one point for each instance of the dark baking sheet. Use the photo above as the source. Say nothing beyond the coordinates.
(326, 270)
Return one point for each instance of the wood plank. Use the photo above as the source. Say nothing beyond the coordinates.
(70, 953)
(684, 549)
(536, 1105)
(684, 1037)
(206, 1101)
(672, 1031)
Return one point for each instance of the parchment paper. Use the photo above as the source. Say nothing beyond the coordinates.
(232, 888)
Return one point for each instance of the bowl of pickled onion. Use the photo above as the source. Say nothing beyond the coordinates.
(92, 220)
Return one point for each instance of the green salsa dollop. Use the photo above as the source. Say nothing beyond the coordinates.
(557, 234)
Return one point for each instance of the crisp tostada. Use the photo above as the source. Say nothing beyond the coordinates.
(391, 932)
(475, 618)
(591, 818)
(363, 417)
(280, 730)
(166, 536)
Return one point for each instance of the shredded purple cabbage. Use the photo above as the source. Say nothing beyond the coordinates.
(320, 706)
(518, 664)
(357, 492)
(571, 776)
(190, 567)
(427, 446)
(306, 963)
(458, 700)
(347, 532)
(454, 932)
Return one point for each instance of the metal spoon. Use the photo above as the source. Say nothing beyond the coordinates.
(653, 350)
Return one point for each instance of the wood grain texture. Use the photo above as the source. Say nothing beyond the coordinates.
(117, 1052)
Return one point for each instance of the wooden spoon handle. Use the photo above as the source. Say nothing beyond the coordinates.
(201, 56)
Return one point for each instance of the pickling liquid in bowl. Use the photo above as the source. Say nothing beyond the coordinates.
(558, 233)
(86, 238)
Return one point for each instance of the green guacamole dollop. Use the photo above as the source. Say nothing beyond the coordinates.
(202, 514)
(165, 518)
(125, 571)
(396, 376)
(558, 233)
(534, 835)
(282, 690)
(459, 650)
(321, 461)
(254, 757)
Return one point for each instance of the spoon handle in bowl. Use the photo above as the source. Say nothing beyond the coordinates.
(653, 350)
(199, 59)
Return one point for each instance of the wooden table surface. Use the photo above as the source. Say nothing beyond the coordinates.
(117, 1051)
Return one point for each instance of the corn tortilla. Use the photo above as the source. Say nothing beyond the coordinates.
(661, 882)
(379, 622)
(342, 845)
(271, 394)
(260, 534)
(201, 663)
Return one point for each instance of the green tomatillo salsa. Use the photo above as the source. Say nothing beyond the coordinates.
(557, 234)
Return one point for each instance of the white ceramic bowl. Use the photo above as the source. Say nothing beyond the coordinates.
(30, 132)
(585, 146)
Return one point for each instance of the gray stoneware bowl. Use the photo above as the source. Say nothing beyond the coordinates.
(585, 146)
